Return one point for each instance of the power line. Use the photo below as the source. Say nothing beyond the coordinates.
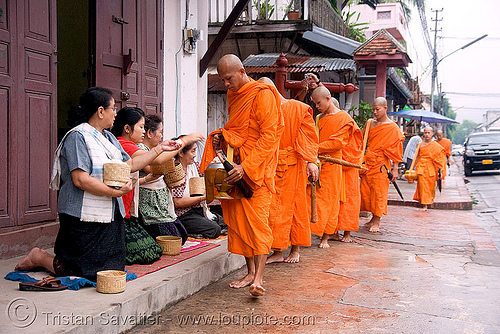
(474, 94)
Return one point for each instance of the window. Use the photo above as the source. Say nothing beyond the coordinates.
(386, 15)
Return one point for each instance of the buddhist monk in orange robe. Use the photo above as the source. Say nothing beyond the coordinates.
(289, 220)
(385, 144)
(429, 158)
(446, 143)
(351, 201)
(253, 129)
(336, 128)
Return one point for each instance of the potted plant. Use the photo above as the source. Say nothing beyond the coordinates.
(264, 9)
(293, 9)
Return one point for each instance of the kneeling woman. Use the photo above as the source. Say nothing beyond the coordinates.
(189, 210)
(91, 233)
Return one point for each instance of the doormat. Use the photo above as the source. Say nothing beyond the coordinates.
(190, 249)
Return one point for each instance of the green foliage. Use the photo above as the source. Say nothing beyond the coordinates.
(356, 29)
(293, 5)
(364, 113)
(462, 131)
(264, 13)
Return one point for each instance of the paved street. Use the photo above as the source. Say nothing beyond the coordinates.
(426, 272)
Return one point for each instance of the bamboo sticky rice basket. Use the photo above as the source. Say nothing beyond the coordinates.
(171, 244)
(115, 173)
(111, 281)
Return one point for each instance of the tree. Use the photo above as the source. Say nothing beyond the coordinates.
(462, 131)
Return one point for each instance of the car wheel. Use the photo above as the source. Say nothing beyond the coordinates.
(467, 171)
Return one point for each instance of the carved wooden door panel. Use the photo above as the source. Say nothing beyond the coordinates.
(28, 113)
(128, 52)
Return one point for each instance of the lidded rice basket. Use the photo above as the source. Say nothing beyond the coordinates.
(196, 186)
(115, 173)
(174, 174)
(171, 245)
(111, 281)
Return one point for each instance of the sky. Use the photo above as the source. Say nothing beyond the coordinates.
(470, 77)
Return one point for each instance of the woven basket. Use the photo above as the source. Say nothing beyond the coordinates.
(171, 245)
(167, 167)
(115, 173)
(111, 281)
(196, 186)
(176, 177)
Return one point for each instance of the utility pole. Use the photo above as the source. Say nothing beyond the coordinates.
(434, 56)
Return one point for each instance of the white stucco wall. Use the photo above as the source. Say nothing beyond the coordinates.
(185, 93)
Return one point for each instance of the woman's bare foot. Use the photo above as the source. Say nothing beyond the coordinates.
(346, 237)
(243, 282)
(277, 256)
(33, 259)
(257, 290)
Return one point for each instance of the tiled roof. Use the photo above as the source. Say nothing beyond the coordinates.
(265, 63)
(380, 43)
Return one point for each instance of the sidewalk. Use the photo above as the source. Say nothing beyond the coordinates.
(87, 311)
(454, 195)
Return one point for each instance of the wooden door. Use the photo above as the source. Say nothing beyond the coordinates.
(28, 110)
(128, 52)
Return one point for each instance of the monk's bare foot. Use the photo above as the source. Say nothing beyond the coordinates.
(370, 223)
(241, 283)
(31, 260)
(324, 244)
(424, 208)
(257, 290)
(346, 237)
(375, 228)
(277, 256)
(334, 236)
(293, 257)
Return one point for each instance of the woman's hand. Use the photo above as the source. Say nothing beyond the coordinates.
(312, 171)
(235, 174)
(125, 189)
(193, 137)
(168, 145)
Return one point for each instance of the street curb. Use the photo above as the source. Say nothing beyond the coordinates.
(461, 205)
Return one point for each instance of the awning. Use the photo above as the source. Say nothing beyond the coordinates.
(330, 40)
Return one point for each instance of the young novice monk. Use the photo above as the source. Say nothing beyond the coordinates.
(336, 128)
(385, 144)
(288, 220)
(429, 157)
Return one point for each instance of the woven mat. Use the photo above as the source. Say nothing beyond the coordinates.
(190, 249)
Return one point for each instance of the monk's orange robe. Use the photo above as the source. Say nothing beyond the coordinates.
(254, 127)
(289, 220)
(431, 157)
(349, 208)
(446, 143)
(335, 131)
(385, 143)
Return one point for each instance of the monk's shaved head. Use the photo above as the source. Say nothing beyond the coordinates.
(229, 63)
(430, 128)
(320, 93)
(439, 132)
(232, 72)
(267, 81)
(380, 101)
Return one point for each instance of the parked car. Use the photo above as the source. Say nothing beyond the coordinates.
(481, 152)
(457, 149)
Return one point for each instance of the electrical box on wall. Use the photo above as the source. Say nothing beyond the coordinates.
(190, 37)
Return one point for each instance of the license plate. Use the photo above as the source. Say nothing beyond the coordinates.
(487, 162)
